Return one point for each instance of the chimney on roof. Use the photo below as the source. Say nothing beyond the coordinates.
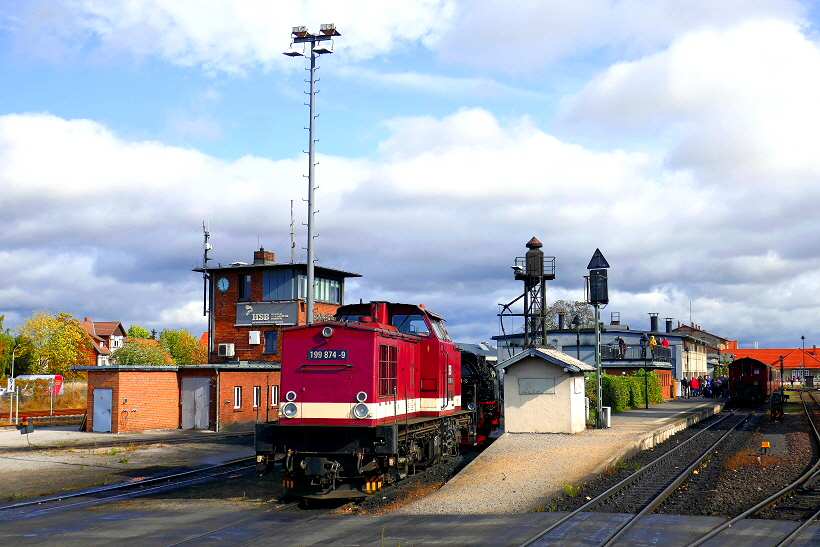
(560, 320)
(262, 257)
(88, 320)
(615, 318)
(653, 322)
(668, 324)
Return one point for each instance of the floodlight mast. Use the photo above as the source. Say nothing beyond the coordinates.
(301, 35)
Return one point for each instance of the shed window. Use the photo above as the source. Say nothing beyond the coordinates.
(536, 386)
(274, 395)
(388, 358)
(237, 396)
(257, 396)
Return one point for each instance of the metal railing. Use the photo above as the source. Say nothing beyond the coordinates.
(636, 353)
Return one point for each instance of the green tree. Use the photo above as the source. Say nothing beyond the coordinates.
(135, 331)
(140, 351)
(57, 343)
(183, 348)
(570, 310)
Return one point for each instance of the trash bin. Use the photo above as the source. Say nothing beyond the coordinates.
(607, 410)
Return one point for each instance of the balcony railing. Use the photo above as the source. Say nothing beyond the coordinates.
(636, 353)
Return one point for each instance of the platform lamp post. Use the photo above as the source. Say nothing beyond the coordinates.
(803, 361)
(598, 294)
(300, 35)
(576, 323)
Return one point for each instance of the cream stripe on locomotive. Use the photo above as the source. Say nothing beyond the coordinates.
(377, 411)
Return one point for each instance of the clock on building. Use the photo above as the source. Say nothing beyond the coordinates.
(222, 284)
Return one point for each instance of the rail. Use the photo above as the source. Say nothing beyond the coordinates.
(643, 472)
(811, 475)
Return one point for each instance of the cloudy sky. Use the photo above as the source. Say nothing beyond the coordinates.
(678, 136)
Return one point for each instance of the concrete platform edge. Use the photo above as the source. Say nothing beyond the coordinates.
(645, 442)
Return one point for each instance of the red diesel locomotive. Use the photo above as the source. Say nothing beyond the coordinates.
(371, 396)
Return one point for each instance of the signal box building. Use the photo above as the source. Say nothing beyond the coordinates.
(251, 303)
(249, 306)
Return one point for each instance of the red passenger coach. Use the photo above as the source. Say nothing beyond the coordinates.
(751, 380)
(368, 397)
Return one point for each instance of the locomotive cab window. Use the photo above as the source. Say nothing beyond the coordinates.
(410, 324)
(440, 329)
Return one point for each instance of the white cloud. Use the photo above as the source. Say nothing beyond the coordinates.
(229, 36)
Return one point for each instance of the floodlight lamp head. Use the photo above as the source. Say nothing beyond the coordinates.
(301, 32)
(294, 53)
(329, 29)
(322, 49)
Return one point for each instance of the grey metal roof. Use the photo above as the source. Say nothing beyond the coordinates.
(561, 359)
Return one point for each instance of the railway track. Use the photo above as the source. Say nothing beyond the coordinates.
(640, 493)
(142, 487)
(799, 499)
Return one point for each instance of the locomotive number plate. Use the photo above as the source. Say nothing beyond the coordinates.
(327, 355)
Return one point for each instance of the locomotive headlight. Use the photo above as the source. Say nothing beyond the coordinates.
(289, 410)
(361, 411)
(290, 396)
(327, 332)
(361, 396)
(471, 406)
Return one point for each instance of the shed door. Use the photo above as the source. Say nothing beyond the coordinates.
(101, 420)
(196, 402)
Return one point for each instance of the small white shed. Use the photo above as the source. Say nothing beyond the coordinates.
(544, 392)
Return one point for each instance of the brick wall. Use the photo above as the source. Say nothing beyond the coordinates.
(139, 400)
(231, 417)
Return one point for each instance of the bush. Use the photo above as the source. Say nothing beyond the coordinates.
(624, 392)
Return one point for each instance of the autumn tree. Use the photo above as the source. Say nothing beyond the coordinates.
(57, 343)
(570, 310)
(141, 351)
(183, 348)
(135, 331)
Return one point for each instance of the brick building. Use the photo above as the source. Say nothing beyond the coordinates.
(131, 398)
(249, 305)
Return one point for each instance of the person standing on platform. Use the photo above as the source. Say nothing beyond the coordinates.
(694, 385)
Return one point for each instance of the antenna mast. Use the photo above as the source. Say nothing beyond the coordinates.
(206, 247)
(292, 240)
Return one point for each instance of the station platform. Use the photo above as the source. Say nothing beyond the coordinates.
(522, 471)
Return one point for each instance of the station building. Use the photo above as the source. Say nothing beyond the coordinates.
(684, 356)
(249, 304)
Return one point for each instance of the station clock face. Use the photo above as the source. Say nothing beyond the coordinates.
(222, 284)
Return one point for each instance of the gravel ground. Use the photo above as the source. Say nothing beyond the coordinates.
(35, 471)
(520, 469)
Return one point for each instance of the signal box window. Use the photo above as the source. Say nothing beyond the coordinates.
(271, 338)
(244, 287)
(388, 358)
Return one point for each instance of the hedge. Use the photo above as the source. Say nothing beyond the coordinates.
(624, 392)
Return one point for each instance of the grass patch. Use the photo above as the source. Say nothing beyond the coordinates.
(571, 490)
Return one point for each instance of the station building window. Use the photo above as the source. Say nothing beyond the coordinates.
(274, 395)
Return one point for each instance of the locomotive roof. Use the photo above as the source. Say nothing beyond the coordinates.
(366, 306)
